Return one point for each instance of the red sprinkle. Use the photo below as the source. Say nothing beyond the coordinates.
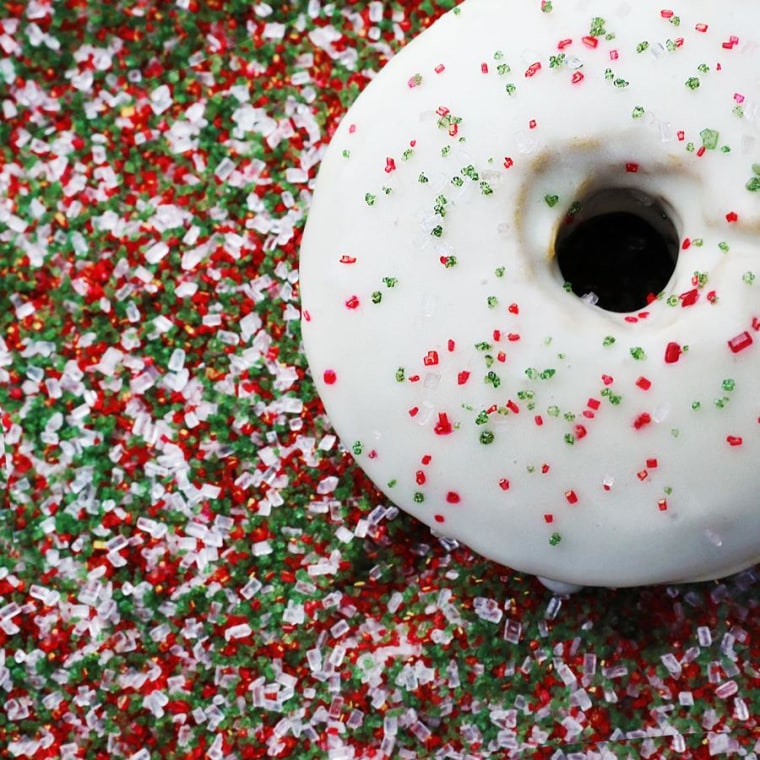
(672, 353)
(572, 497)
(329, 376)
(652, 464)
(608, 379)
(420, 478)
(577, 77)
(439, 518)
(593, 403)
(443, 426)
(463, 377)
(589, 41)
(689, 298)
(414, 411)
(451, 345)
(533, 69)
(431, 359)
(427, 459)
(644, 383)
(562, 44)
(353, 302)
(504, 484)
(732, 216)
(632, 168)
(642, 420)
(580, 432)
(512, 406)
(701, 27)
(539, 420)
(740, 342)
(483, 68)
(513, 308)
(508, 162)
(346, 259)
(452, 497)
(734, 440)
(662, 505)
(549, 519)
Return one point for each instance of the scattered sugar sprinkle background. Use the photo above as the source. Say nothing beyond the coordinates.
(190, 565)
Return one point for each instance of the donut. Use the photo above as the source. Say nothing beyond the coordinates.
(529, 286)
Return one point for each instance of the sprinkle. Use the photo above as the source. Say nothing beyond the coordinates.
(673, 353)
(644, 383)
(452, 497)
(571, 497)
(740, 342)
(642, 420)
(734, 440)
(533, 69)
(329, 376)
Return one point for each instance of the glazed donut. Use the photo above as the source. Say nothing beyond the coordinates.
(528, 284)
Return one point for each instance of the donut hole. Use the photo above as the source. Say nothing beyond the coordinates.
(617, 249)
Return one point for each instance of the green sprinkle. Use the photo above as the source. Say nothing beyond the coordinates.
(555, 539)
(608, 341)
(698, 242)
(555, 61)
(695, 405)
(670, 46)
(675, 20)
(445, 150)
(390, 282)
(720, 403)
(422, 179)
(553, 411)
(621, 83)
(493, 302)
(486, 437)
(728, 384)
(701, 278)
(547, 374)
(407, 154)
(450, 262)
(532, 373)
(370, 199)
(498, 55)
(672, 301)
(458, 181)
(723, 246)
(692, 83)
(748, 277)
(400, 375)
(418, 497)
(638, 353)
(500, 271)
(493, 379)
(502, 69)
(471, 172)
(690, 147)
(569, 416)
(597, 27)
(346, 153)
(638, 112)
(485, 188)
(753, 185)
(710, 138)
(568, 286)
(489, 360)
(377, 296)
(546, 6)
(642, 46)
(392, 483)
(703, 67)
(551, 200)
(483, 346)
(437, 231)
(570, 439)
(357, 448)
(482, 418)
(510, 88)
(609, 75)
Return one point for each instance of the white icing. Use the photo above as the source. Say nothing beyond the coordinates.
(593, 500)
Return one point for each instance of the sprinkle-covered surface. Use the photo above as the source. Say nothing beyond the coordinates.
(190, 565)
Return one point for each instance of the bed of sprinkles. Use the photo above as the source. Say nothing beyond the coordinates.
(190, 565)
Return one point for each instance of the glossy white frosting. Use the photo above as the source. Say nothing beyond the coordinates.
(608, 465)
